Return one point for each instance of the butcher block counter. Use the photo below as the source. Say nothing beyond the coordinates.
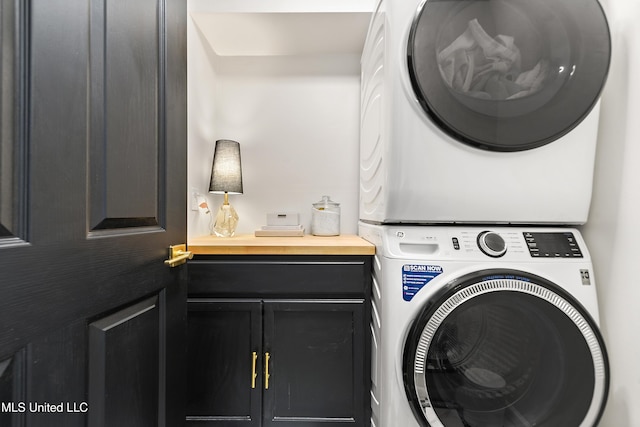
(248, 244)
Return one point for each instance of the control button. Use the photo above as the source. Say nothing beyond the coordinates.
(456, 243)
(492, 244)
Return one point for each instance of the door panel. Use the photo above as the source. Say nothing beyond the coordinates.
(127, 140)
(91, 143)
(12, 135)
(125, 368)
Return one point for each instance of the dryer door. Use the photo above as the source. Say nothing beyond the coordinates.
(508, 75)
(505, 348)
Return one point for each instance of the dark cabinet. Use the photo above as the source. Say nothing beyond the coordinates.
(291, 354)
(223, 374)
(315, 365)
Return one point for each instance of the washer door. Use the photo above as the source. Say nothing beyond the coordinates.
(505, 348)
(508, 75)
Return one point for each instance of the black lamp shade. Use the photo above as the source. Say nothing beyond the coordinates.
(226, 173)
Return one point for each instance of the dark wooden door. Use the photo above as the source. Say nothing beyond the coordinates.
(225, 362)
(316, 357)
(92, 193)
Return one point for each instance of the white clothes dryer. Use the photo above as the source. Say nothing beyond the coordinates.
(476, 327)
(481, 111)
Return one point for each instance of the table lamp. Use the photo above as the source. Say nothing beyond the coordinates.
(226, 178)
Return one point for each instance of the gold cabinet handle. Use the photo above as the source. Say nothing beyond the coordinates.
(254, 375)
(266, 371)
(178, 255)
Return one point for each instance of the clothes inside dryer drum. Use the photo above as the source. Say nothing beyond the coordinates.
(508, 75)
(479, 66)
(500, 358)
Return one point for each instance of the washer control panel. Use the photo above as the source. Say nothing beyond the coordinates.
(491, 242)
(552, 245)
(497, 243)
(483, 243)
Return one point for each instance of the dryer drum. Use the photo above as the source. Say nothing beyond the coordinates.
(490, 361)
(507, 350)
(508, 75)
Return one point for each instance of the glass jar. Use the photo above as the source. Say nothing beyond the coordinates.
(325, 218)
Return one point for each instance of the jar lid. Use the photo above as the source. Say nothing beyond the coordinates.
(326, 202)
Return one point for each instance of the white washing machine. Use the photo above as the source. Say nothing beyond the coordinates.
(481, 111)
(479, 327)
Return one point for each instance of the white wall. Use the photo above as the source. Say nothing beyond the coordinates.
(201, 131)
(613, 229)
(296, 118)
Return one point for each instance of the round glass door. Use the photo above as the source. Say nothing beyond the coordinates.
(508, 75)
(505, 350)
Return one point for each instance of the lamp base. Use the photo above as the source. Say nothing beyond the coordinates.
(225, 222)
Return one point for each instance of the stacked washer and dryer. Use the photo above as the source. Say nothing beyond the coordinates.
(479, 122)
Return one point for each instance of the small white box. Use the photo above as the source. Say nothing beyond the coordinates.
(283, 218)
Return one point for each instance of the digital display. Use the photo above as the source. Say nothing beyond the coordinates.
(552, 245)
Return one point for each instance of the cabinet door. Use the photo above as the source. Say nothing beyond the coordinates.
(316, 363)
(224, 362)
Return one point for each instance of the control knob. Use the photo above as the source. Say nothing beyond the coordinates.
(492, 244)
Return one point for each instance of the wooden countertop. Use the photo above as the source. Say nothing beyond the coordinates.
(248, 244)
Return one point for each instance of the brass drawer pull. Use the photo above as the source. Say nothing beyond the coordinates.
(266, 371)
(254, 375)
